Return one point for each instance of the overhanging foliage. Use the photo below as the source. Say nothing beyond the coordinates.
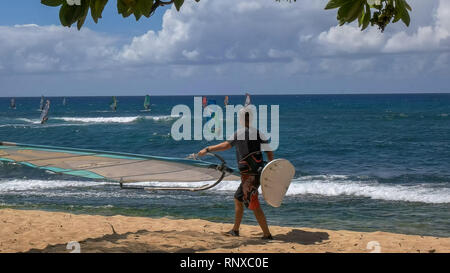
(368, 12)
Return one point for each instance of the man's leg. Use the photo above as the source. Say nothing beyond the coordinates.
(239, 213)
(261, 218)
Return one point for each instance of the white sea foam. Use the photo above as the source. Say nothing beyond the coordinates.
(341, 185)
(26, 185)
(99, 119)
(113, 119)
(33, 121)
(336, 185)
(320, 185)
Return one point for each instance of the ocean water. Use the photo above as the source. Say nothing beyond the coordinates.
(363, 162)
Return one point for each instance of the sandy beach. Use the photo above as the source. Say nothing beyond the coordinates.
(41, 231)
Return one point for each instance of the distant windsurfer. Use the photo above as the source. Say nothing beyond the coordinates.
(204, 102)
(248, 100)
(113, 104)
(147, 103)
(44, 115)
(250, 161)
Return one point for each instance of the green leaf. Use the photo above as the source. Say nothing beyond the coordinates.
(350, 11)
(355, 11)
(333, 4)
(397, 15)
(406, 18)
(68, 15)
(407, 6)
(366, 19)
(178, 4)
(85, 5)
(145, 7)
(137, 14)
(97, 7)
(52, 3)
(123, 8)
(343, 12)
(403, 12)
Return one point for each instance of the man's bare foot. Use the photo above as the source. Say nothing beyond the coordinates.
(232, 233)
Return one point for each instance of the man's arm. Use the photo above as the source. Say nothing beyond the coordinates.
(216, 148)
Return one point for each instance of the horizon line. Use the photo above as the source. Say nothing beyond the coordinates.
(268, 94)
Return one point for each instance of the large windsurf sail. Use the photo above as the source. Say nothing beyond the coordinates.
(113, 103)
(118, 167)
(247, 99)
(147, 102)
(13, 103)
(44, 113)
(42, 104)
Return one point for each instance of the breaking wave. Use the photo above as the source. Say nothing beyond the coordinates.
(320, 185)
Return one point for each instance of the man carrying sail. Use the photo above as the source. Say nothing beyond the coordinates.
(250, 162)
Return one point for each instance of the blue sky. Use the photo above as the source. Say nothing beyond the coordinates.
(33, 12)
(222, 47)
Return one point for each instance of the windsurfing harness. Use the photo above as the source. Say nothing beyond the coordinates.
(252, 164)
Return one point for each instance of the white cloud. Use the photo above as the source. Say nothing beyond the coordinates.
(243, 7)
(223, 31)
(350, 39)
(426, 38)
(32, 48)
(237, 43)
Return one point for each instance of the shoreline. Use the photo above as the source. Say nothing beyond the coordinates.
(43, 231)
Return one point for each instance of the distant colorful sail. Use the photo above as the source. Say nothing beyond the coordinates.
(226, 101)
(147, 102)
(44, 114)
(13, 103)
(113, 103)
(247, 99)
(204, 101)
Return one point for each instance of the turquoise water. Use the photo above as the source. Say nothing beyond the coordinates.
(364, 162)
